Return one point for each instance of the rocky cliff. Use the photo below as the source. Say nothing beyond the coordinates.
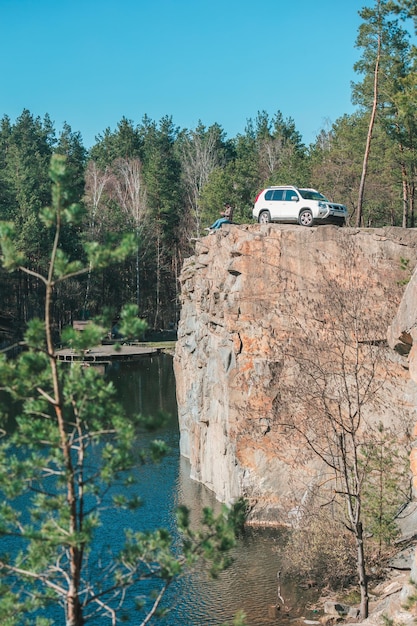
(402, 337)
(255, 298)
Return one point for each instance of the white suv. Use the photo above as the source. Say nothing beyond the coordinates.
(303, 206)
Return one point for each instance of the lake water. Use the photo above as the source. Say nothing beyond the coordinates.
(250, 584)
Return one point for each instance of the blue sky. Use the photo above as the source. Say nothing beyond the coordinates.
(91, 62)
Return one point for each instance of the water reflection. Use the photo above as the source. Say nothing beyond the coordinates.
(250, 584)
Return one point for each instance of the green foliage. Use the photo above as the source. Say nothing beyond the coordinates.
(215, 193)
(27, 149)
(411, 601)
(386, 66)
(65, 442)
(70, 145)
(162, 176)
(125, 142)
(11, 257)
(386, 487)
(201, 152)
(239, 620)
(404, 263)
(14, 609)
(405, 267)
(215, 538)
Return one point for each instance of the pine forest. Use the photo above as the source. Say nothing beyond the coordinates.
(166, 184)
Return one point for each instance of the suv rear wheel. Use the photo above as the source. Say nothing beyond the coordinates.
(305, 218)
(264, 217)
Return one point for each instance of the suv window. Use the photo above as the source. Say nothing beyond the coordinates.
(290, 194)
(308, 194)
(274, 194)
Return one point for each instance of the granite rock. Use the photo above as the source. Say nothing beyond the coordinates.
(245, 294)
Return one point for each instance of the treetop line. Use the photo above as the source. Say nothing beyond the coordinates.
(167, 184)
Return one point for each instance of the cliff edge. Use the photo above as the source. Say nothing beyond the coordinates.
(248, 296)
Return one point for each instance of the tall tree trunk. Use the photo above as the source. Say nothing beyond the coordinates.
(74, 616)
(137, 269)
(363, 579)
(158, 277)
(411, 205)
(352, 482)
(74, 613)
(405, 196)
(359, 216)
(405, 187)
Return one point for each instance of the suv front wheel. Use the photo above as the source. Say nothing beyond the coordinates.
(305, 218)
(264, 217)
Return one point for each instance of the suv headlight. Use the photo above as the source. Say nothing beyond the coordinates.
(322, 205)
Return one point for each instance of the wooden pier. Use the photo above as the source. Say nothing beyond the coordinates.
(109, 353)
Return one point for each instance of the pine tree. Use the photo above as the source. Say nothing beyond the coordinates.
(70, 442)
(386, 486)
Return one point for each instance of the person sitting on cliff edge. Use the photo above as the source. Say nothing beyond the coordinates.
(226, 218)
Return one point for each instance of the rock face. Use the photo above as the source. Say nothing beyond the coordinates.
(402, 336)
(248, 294)
(402, 333)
